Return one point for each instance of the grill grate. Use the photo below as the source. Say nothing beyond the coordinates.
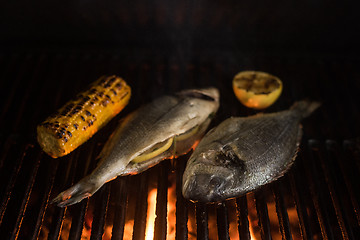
(317, 199)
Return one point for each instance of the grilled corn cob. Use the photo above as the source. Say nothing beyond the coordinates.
(79, 119)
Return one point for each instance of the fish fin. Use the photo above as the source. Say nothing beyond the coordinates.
(305, 107)
(83, 189)
(290, 163)
(295, 154)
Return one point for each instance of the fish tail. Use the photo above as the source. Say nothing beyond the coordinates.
(305, 107)
(83, 189)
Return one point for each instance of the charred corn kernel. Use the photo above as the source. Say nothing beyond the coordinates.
(256, 89)
(154, 151)
(80, 118)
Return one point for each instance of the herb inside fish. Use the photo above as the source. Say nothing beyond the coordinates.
(167, 127)
(244, 153)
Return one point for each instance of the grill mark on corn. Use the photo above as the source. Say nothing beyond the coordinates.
(118, 86)
(72, 109)
(81, 113)
(124, 95)
(105, 102)
(83, 100)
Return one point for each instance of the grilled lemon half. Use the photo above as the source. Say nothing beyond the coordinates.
(256, 89)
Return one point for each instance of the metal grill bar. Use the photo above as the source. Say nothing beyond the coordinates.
(263, 215)
(329, 172)
(181, 207)
(12, 180)
(202, 221)
(26, 196)
(55, 228)
(60, 213)
(79, 214)
(77, 223)
(321, 206)
(243, 221)
(52, 169)
(350, 157)
(141, 208)
(332, 152)
(120, 209)
(78, 218)
(281, 211)
(97, 227)
(222, 222)
(299, 200)
(326, 200)
(50, 177)
(161, 200)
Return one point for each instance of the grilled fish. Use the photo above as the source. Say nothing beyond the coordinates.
(242, 154)
(167, 127)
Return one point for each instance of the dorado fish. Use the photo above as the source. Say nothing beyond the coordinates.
(167, 127)
(242, 154)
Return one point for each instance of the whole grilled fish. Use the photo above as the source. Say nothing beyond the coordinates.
(242, 154)
(167, 127)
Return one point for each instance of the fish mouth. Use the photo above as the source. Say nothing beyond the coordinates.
(208, 94)
(204, 188)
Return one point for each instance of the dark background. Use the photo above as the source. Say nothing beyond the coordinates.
(188, 27)
(50, 51)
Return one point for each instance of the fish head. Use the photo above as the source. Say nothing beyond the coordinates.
(205, 101)
(213, 175)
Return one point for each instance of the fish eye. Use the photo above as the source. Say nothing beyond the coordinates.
(216, 182)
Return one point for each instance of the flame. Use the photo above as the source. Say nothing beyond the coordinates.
(253, 218)
(128, 229)
(273, 219)
(252, 235)
(195, 144)
(151, 215)
(171, 214)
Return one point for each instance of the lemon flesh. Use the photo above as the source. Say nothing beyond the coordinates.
(187, 134)
(156, 150)
(256, 89)
(160, 148)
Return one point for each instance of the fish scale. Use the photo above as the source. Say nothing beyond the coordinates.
(262, 148)
(152, 125)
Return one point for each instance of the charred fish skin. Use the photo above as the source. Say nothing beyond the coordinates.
(244, 153)
(164, 118)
